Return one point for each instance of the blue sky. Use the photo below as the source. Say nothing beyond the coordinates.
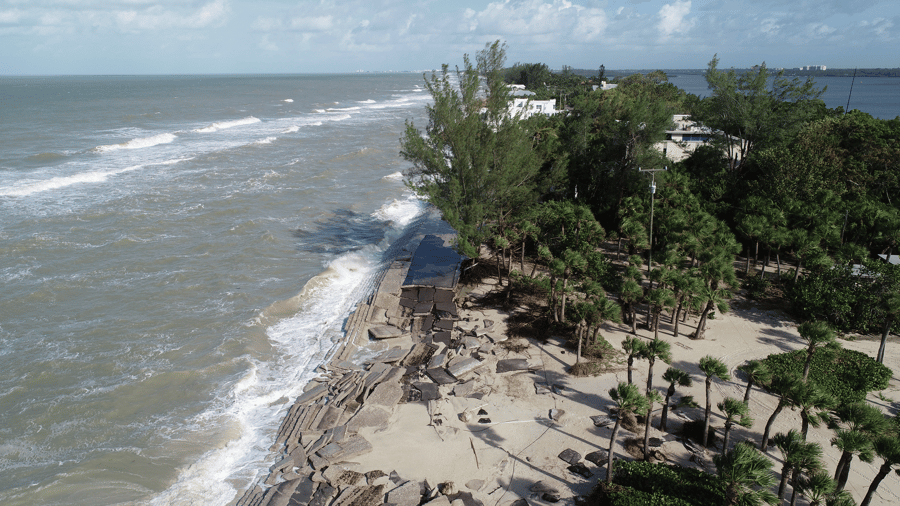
(281, 36)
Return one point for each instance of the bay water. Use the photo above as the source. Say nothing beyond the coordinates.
(878, 96)
(177, 254)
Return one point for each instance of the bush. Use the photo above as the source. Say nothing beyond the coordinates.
(850, 301)
(756, 286)
(642, 483)
(846, 374)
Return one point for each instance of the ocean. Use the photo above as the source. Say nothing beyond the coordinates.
(178, 254)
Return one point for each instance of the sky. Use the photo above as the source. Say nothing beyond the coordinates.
(39, 37)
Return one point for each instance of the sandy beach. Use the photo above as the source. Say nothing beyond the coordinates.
(497, 432)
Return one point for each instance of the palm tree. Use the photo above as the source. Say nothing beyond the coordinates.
(850, 443)
(888, 448)
(817, 334)
(797, 454)
(655, 349)
(735, 412)
(630, 295)
(817, 487)
(607, 310)
(747, 476)
(711, 367)
(685, 286)
(807, 461)
(652, 398)
(814, 405)
(659, 299)
(753, 226)
(757, 373)
(709, 298)
(673, 376)
(627, 399)
(780, 386)
(633, 348)
(859, 424)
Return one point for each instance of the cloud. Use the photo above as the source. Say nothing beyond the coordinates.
(312, 24)
(157, 18)
(537, 19)
(671, 18)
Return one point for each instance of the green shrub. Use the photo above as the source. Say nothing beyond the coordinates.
(756, 286)
(846, 374)
(643, 483)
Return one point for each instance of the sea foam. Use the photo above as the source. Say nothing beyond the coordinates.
(142, 142)
(222, 125)
(98, 176)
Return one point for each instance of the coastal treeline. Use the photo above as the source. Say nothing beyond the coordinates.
(802, 192)
(786, 198)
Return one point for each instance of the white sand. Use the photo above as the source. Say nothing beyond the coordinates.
(520, 445)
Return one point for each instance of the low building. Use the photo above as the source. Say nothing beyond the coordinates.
(684, 138)
(525, 108)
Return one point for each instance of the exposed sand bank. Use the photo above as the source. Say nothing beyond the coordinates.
(491, 433)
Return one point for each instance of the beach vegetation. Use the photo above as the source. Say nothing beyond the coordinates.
(757, 373)
(675, 377)
(472, 161)
(627, 400)
(747, 476)
(642, 483)
(736, 412)
(711, 368)
(846, 375)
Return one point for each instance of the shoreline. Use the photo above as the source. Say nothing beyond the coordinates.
(461, 415)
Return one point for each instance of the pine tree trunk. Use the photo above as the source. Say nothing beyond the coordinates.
(522, 258)
(708, 411)
(701, 327)
(794, 474)
(799, 266)
(630, 364)
(675, 320)
(647, 433)
(884, 336)
(782, 485)
(725, 437)
(665, 412)
(633, 319)
(763, 444)
(842, 462)
(804, 423)
(845, 473)
(747, 392)
(882, 473)
(578, 354)
(612, 442)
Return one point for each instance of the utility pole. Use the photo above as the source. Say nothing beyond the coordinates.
(652, 193)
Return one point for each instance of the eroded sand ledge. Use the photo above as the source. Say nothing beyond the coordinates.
(443, 411)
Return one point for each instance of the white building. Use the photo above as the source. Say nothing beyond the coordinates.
(684, 138)
(525, 108)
